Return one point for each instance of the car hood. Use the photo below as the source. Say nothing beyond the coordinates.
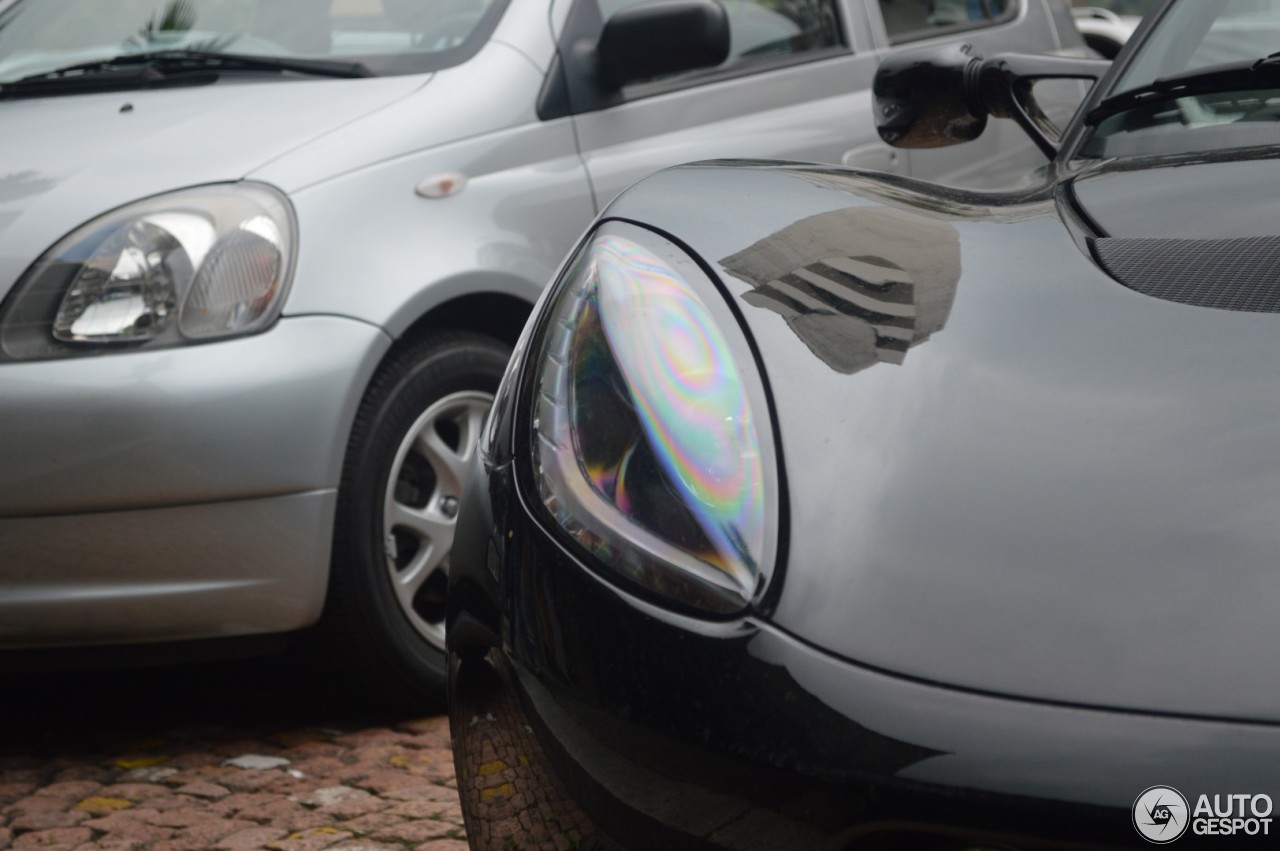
(1210, 198)
(1004, 470)
(76, 157)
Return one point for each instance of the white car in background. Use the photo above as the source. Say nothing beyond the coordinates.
(262, 263)
(1107, 24)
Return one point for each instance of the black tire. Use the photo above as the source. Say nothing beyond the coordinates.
(366, 631)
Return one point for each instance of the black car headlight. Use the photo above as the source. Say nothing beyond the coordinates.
(652, 443)
(195, 265)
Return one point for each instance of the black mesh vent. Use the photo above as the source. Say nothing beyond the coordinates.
(1229, 274)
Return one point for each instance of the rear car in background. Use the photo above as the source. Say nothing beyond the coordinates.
(828, 509)
(1107, 24)
(262, 263)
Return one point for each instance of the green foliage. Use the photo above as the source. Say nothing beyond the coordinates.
(175, 16)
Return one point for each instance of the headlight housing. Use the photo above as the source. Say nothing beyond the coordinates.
(194, 265)
(652, 446)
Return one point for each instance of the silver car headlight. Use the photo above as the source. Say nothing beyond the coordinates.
(652, 443)
(194, 265)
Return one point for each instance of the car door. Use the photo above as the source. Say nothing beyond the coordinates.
(1003, 155)
(796, 86)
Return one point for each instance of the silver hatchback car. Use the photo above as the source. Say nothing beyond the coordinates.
(262, 263)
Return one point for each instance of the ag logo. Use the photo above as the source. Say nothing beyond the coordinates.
(1161, 815)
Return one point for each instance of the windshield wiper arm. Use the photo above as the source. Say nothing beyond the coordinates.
(154, 67)
(1250, 74)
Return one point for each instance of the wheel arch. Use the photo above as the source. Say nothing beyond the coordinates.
(496, 314)
(494, 304)
(493, 311)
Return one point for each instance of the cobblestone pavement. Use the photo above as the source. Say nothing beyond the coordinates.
(234, 756)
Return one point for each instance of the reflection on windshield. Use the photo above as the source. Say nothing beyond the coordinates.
(41, 35)
(1197, 34)
(1210, 122)
(1220, 112)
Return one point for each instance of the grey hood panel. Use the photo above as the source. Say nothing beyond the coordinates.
(1005, 471)
(1212, 198)
(68, 159)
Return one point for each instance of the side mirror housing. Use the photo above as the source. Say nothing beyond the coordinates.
(661, 37)
(943, 96)
(924, 98)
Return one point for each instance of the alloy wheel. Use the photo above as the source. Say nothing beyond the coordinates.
(420, 507)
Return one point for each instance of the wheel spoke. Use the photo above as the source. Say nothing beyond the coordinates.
(427, 524)
(471, 434)
(450, 467)
(427, 561)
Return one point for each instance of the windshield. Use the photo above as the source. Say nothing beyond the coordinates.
(1232, 106)
(386, 36)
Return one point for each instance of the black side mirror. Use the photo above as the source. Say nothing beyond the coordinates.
(662, 37)
(942, 96)
(923, 99)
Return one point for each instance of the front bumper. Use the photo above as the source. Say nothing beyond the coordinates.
(580, 711)
(177, 494)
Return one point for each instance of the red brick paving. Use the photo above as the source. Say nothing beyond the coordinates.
(377, 788)
(152, 777)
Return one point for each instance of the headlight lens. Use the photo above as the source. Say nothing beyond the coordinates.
(647, 448)
(199, 264)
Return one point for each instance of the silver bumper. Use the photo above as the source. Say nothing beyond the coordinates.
(178, 494)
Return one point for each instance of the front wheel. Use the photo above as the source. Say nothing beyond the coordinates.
(414, 437)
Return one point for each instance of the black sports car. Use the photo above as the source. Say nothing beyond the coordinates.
(827, 509)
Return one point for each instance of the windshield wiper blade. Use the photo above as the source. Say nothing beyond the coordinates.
(135, 70)
(1250, 74)
(182, 59)
(106, 79)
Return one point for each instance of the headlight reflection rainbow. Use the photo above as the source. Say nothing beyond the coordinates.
(646, 450)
